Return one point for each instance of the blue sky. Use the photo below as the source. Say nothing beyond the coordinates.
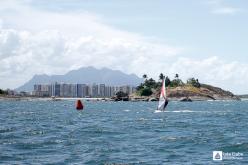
(195, 38)
(190, 23)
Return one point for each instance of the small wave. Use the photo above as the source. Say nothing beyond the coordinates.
(158, 111)
(3, 130)
(126, 110)
(142, 119)
(185, 111)
(24, 113)
(158, 119)
(177, 111)
(235, 147)
(168, 138)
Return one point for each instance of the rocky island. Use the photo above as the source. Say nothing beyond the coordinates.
(192, 90)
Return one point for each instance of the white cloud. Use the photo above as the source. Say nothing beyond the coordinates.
(229, 75)
(1, 23)
(24, 53)
(226, 10)
(218, 7)
(37, 42)
(9, 42)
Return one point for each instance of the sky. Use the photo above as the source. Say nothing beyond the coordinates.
(205, 39)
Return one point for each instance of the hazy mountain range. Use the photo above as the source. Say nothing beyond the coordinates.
(85, 75)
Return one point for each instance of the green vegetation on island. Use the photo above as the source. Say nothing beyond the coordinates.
(179, 90)
(3, 92)
(150, 85)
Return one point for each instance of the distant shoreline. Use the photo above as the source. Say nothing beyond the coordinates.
(140, 99)
(48, 98)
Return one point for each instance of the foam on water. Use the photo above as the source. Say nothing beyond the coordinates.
(177, 111)
(158, 111)
(184, 111)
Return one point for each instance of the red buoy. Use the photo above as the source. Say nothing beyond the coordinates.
(79, 105)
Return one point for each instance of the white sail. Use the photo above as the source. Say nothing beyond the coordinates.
(162, 98)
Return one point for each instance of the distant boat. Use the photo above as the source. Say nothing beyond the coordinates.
(163, 101)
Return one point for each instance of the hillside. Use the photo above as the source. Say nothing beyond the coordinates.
(178, 90)
(205, 92)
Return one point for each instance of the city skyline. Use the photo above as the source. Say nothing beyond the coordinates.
(204, 39)
(79, 90)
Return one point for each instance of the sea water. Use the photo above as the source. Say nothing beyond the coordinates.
(53, 132)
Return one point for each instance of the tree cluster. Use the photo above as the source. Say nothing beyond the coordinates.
(194, 82)
(3, 92)
(146, 88)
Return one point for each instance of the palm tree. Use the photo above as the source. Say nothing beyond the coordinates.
(176, 76)
(161, 76)
(167, 81)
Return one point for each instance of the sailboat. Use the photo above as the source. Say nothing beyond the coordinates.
(163, 101)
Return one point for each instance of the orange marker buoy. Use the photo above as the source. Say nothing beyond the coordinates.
(79, 105)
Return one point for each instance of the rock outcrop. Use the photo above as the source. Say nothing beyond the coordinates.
(190, 93)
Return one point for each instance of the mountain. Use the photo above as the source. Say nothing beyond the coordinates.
(85, 75)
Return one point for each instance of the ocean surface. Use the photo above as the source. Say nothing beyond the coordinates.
(53, 132)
